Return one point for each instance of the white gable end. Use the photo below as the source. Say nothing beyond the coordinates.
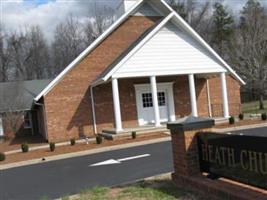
(170, 51)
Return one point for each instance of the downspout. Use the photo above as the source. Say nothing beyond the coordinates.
(44, 116)
(208, 96)
(93, 109)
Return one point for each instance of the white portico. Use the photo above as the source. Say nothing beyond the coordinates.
(155, 101)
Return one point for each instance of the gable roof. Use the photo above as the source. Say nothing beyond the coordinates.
(19, 96)
(170, 15)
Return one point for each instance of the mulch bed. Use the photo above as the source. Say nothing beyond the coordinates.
(35, 154)
(241, 123)
(15, 143)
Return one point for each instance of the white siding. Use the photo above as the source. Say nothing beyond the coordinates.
(170, 51)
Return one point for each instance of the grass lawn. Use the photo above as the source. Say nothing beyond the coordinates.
(161, 189)
(253, 107)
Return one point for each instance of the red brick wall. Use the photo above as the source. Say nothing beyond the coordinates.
(68, 106)
(234, 99)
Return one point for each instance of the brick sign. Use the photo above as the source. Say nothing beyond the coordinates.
(238, 157)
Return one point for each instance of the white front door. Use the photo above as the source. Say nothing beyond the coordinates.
(145, 108)
(1, 127)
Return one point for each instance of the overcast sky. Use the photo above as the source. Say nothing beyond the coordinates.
(48, 13)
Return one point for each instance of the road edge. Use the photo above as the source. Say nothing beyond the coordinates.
(82, 153)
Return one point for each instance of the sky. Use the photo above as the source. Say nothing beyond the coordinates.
(16, 14)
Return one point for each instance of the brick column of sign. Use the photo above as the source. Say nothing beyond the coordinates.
(185, 152)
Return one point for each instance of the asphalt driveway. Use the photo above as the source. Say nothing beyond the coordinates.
(59, 178)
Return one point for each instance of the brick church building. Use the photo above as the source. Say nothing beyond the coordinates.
(150, 67)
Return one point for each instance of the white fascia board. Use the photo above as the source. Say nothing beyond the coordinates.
(88, 50)
(142, 43)
(168, 73)
(203, 42)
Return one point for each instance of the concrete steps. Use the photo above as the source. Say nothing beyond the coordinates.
(111, 134)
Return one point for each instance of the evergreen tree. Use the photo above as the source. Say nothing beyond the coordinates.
(222, 28)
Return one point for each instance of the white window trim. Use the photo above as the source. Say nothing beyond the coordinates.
(160, 86)
(30, 121)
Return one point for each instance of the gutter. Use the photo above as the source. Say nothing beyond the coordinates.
(93, 108)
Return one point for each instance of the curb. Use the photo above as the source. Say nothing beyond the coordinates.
(239, 128)
(82, 153)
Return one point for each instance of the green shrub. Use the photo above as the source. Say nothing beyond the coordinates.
(52, 146)
(2, 156)
(231, 120)
(72, 141)
(241, 116)
(24, 147)
(99, 139)
(264, 116)
(133, 135)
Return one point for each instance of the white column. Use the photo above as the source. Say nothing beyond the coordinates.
(224, 96)
(116, 103)
(208, 96)
(193, 95)
(155, 100)
(171, 109)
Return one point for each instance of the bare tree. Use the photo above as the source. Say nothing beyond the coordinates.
(248, 50)
(19, 54)
(29, 54)
(13, 117)
(197, 14)
(102, 18)
(4, 57)
(68, 43)
(37, 64)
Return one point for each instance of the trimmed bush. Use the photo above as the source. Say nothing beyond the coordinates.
(99, 139)
(72, 142)
(264, 116)
(231, 120)
(241, 116)
(24, 147)
(52, 146)
(133, 135)
(2, 156)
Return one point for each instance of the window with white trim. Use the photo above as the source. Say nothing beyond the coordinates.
(148, 101)
(161, 99)
(27, 120)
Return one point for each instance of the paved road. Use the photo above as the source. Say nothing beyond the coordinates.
(253, 132)
(59, 178)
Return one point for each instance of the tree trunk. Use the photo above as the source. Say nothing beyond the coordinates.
(261, 101)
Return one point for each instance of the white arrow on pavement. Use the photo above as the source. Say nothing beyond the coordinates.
(118, 161)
